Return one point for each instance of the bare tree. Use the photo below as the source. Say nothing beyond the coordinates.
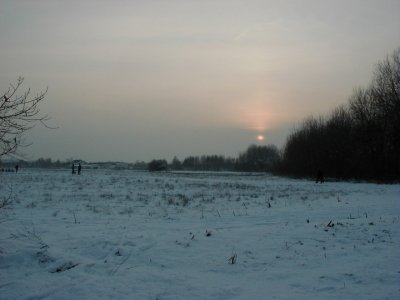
(357, 140)
(19, 112)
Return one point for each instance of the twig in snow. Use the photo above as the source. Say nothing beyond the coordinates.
(232, 259)
(73, 212)
(7, 201)
(330, 224)
(116, 268)
(291, 245)
(31, 235)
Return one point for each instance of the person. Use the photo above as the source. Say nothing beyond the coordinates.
(320, 177)
(79, 169)
(73, 168)
(16, 168)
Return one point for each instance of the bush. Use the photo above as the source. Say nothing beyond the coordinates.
(157, 165)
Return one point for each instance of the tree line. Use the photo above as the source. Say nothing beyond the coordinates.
(38, 163)
(360, 139)
(255, 159)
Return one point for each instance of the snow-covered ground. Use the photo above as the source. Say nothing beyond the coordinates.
(137, 235)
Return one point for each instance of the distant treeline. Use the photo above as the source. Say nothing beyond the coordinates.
(39, 163)
(358, 140)
(256, 158)
(48, 163)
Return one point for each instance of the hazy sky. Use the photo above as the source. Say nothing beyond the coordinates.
(137, 80)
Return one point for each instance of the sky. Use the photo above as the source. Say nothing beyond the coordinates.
(141, 80)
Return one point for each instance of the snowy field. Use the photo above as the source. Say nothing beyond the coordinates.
(137, 235)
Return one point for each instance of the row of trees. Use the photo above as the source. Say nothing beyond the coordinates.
(39, 163)
(358, 140)
(256, 158)
(204, 163)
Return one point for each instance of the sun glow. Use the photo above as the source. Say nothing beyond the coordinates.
(256, 115)
(260, 138)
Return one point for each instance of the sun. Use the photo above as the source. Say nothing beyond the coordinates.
(260, 138)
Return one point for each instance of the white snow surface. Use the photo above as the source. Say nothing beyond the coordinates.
(138, 235)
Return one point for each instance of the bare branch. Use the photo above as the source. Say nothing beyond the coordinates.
(18, 114)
